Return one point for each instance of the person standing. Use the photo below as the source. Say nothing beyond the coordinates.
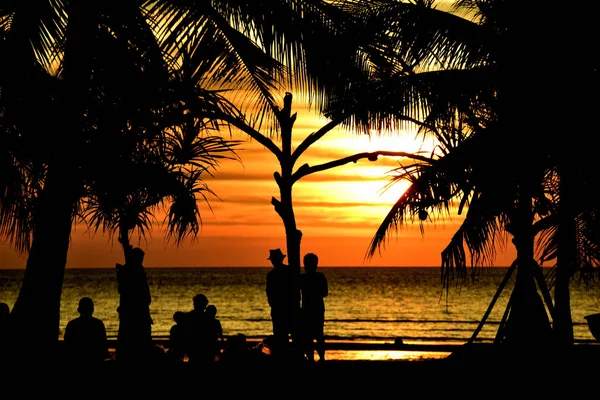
(134, 339)
(281, 299)
(314, 288)
(85, 339)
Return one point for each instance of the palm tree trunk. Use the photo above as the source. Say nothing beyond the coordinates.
(493, 303)
(35, 317)
(527, 326)
(565, 262)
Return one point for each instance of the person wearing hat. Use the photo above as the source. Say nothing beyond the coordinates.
(280, 295)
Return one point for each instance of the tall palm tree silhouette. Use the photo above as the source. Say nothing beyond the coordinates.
(464, 77)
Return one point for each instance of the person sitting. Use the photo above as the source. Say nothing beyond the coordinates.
(214, 333)
(176, 350)
(195, 331)
(85, 336)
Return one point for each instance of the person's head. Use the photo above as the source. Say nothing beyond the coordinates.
(178, 316)
(276, 256)
(200, 302)
(311, 262)
(211, 310)
(137, 255)
(86, 306)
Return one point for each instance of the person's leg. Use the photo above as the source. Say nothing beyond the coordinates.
(280, 333)
(320, 336)
(309, 336)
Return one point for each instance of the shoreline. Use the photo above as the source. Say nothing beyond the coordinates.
(384, 351)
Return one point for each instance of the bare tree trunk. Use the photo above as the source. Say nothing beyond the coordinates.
(284, 207)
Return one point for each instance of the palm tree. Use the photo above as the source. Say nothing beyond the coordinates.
(469, 77)
(161, 173)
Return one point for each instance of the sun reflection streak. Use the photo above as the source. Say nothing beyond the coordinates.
(384, 355)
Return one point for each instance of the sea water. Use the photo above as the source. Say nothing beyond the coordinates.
(364, 303)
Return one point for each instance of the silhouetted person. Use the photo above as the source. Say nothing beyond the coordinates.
(135, 323)
(177, 342)
(314, 289)
(4, 321)
(214, 332)
(195, 329)
(85, 336)
(281, 297)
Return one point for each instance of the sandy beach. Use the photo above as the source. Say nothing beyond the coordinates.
(478, 374)
(481, 372)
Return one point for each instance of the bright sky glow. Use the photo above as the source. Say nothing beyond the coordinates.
(338, 211)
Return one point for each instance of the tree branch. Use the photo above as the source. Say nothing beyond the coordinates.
(307, 170)
(253, 133)
(312, 138)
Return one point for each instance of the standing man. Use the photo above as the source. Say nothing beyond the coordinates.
(314, 288)
(281, 298)
(134, 340)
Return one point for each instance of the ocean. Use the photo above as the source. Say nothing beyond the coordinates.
(364, 303)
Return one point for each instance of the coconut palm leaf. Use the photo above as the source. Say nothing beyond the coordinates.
(480, 231)
(39, 28)
(423, 36)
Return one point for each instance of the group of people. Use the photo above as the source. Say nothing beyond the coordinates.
(297, 314)
(196, 335)
(299, 319)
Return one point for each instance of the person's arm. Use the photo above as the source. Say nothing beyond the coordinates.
(127, 247)
(104, 341)
(269, 289)
(68, 338)
(325, 286)
(147, 294)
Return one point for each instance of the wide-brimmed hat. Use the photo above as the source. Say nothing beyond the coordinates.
(276, 254)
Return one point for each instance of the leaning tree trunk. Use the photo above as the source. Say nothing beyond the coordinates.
(527, 326)
(35, 318)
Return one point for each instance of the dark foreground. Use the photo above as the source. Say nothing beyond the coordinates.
(469, 372)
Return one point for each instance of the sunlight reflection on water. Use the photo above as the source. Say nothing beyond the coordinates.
(384, 355)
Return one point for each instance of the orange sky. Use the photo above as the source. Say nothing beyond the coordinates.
(337, 210)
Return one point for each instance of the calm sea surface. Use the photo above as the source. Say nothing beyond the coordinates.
(364, 303)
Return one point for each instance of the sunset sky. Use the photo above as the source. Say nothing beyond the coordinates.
(338, 211)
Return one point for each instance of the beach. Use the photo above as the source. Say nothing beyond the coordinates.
(480, 374)
(478, 371)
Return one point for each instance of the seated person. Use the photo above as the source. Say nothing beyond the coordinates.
(85, 336)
